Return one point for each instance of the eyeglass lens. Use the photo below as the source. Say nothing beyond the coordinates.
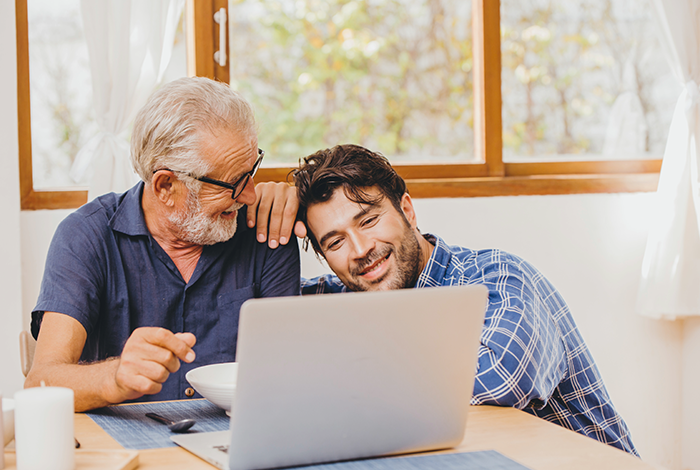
(240, 185)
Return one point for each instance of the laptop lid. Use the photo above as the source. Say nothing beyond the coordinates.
(344, 376)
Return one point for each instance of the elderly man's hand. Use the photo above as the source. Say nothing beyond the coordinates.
(148, 358)
(275, 211)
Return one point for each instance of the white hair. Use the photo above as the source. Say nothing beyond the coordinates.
(168, 129)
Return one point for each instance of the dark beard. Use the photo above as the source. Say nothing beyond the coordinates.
(408, 257)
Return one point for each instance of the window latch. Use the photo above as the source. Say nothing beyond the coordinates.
(220, 55)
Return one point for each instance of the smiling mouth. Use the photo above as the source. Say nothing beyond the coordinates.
(374, 266)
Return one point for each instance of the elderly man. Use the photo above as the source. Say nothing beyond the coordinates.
(133, 280)
(361, 220)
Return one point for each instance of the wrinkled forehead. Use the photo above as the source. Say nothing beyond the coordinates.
(224, 149)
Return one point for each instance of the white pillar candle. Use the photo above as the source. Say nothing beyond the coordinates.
(44, 431)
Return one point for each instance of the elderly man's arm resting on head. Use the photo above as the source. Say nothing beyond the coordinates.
(149, 356)
(274, 214)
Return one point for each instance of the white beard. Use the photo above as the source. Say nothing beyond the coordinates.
(199, 228)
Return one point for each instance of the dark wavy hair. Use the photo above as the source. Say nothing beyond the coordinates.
(352, 168)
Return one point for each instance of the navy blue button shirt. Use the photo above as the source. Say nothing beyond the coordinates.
(105, 270)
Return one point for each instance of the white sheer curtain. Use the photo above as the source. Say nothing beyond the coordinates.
(670, 282)
(626, 134)
(129, 43)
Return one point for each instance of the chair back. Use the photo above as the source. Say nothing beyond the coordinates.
(27, 345)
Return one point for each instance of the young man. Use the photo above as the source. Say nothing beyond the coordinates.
(360, 218)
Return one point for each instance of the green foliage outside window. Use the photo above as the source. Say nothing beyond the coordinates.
(392, 75)
(582, 78)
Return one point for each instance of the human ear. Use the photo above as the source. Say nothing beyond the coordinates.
(164, 187)
(408, 210)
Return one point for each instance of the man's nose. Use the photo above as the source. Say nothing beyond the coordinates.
(247, 196)
(361, 245)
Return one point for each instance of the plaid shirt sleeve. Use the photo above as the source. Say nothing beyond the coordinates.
(531, 355)
(522, 358)
(326, 284)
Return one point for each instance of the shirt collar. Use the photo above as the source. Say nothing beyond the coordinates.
(436, 268)
(128, 218)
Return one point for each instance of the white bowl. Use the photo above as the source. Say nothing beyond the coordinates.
(8, 420)
(215, 382)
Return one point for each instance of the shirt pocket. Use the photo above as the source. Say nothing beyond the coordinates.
(228, 307)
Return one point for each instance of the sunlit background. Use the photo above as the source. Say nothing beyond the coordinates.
(581, 79)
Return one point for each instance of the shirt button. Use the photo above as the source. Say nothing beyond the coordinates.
(189, 392)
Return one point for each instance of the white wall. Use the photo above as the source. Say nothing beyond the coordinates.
(10, 286)
(690, 390)
(38, 228)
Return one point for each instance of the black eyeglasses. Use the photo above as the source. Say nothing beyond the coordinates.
(236, 187)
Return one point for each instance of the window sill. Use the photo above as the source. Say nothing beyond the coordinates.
(527, 179)
(432, 188)
(52, 200)
(533, 185)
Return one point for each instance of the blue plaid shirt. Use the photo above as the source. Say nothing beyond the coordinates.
(532, 356)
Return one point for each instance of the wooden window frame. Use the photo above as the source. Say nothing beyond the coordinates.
(31, 199)
(493, 177)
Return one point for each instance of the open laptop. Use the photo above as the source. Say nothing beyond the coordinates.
(335, 377)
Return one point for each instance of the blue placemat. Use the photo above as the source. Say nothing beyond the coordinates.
(482, 460)
(130, 427)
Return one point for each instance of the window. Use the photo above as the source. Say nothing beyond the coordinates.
(393, 75)
(54, 69)
(583, 79)
(483, 159)
(492, 167)
(61, 91)
(31, 198)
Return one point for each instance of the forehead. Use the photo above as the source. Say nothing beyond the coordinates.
(339, 211)
(228, 153)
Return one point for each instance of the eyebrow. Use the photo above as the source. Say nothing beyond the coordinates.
(355, 218)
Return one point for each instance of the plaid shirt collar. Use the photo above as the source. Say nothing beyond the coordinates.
(436, 269)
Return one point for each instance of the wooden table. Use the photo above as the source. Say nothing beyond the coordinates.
(524, 438)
